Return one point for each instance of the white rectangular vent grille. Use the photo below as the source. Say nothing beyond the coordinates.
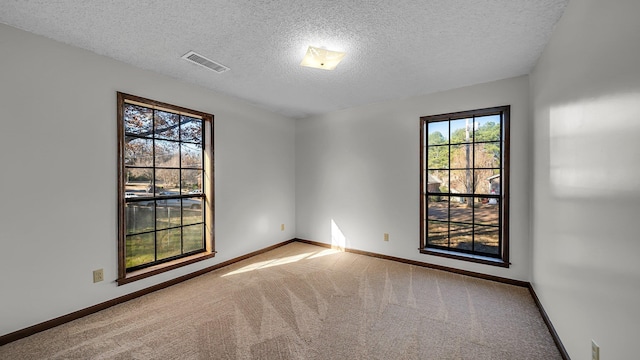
(203, 61)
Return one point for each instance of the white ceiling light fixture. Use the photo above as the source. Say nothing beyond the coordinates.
(320, 58)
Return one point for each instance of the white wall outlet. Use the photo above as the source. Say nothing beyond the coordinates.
(281, 227)
(386, 237)
(595, 351)
(98, 275)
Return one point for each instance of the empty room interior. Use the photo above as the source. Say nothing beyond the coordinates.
(345, 170)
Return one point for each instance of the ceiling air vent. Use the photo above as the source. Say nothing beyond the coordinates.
(203, 61)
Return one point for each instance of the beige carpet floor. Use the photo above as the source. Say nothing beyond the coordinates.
(301, 301)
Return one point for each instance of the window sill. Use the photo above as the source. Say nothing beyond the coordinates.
(154, 270)
(467, 257)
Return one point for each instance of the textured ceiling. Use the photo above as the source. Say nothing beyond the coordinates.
(395, 49)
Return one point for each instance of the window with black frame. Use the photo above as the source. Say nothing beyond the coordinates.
(165, 183)
(464, 185)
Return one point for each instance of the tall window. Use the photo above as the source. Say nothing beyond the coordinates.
(165, 186)
(464, 185)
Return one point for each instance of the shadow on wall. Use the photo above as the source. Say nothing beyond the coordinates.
(594, 181)
(594, 148)
(587, 272)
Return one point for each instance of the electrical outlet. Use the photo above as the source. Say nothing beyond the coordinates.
(98, 275)
(281, 227)
(386, 237)
(595, 351)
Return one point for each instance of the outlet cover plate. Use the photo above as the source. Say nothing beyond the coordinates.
(98, 275)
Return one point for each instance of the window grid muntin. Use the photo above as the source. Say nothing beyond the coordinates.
(152, 136)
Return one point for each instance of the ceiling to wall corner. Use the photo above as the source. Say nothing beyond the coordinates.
(394, 49)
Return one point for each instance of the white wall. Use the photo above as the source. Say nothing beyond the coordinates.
(58, 175)
(357, 174)
(585, 94)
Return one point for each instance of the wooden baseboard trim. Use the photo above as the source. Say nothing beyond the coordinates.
(424, 264)
(19, 334)
(552, 330)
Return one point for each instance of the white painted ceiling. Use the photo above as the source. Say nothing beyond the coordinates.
(395, 49)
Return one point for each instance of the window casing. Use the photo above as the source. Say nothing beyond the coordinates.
(165, 187)
(464, 185)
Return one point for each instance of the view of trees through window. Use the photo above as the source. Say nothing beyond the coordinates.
(463, 168)
(163, 170)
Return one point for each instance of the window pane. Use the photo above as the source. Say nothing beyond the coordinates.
(169, 243)
(488, 213)
(437, 233)
(438, 157)
(168, 182)
(487, 155)
(439, 178)
(435, 182)
(461, 181)
(459, 133)
(167, 154)
(461, 236)
(438, 208)
(438, 133)
(192, 203)
(461, 156)
(138, 218)
(139, 249)
(138, 152)
(191, 181)
(482, 180)
(168, 213)
(138, 182)
(494, 182)
(193, 238)
(166, 125)
(486, 239)
(138, 120)
(191, 129)
(192, 211)
(460, 211)
(191, 155)
(488, 128)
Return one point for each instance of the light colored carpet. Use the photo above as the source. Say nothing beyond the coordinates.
(302, 301)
